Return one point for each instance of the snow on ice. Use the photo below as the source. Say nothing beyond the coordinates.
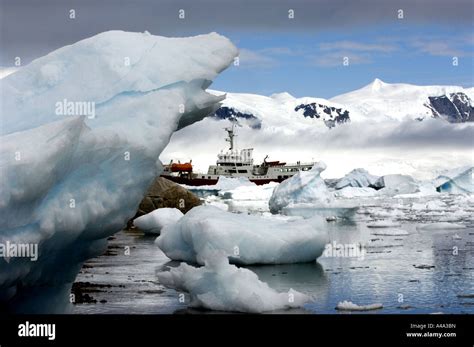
(246, 239)
(70, 181)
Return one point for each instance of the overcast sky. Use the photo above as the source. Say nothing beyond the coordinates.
(302, 55)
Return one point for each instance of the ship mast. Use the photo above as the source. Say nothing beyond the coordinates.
(230, 139)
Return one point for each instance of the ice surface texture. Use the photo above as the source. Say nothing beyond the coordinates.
(245, 239)
(70, 181)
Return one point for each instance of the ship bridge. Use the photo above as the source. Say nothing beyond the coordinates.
(235, 157)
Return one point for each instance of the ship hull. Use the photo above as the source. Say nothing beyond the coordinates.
(210, 181)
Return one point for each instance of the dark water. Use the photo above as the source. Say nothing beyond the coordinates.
(423, 272)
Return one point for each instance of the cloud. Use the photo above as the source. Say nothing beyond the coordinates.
(358, 46)
(255, 59)
(438, 48)
(31, 28)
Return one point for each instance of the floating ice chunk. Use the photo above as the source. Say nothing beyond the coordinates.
(221, 286)
(356, 178)
(349, 306)
(441, 226)
(456, 181)
(383, 224)
(246, 239)
(153, 222)
(304, 187)
(396, 184)
(390, 232)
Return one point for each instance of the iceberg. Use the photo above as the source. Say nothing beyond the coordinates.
(396, 184)
(245, 239)
(357, 178)
(81, 130)
(303, 188)
(456, 181)
(153, 222)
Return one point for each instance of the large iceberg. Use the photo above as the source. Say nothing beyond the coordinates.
(245, 239)
(224, 287)
(304, 187)
(456, 181)
(82, 129)
(356, 178)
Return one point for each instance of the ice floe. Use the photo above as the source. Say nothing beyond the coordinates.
(246, 239)
(350, 306)
(221, 286)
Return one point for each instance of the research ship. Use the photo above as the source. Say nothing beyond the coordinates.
(234, 163)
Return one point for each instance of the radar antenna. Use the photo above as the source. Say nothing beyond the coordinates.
(230, 139)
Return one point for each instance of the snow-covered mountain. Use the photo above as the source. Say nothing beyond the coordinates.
(376, 102)
(379, 101)
(281, 110)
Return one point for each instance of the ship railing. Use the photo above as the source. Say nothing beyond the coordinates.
(300, 164)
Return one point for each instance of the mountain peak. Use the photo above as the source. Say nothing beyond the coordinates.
(377, 84)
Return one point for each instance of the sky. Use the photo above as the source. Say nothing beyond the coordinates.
(297, 46)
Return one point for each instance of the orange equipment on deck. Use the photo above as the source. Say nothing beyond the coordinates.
(186, 167)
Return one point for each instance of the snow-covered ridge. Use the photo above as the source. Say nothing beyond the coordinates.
(280, 109)
(71, 180)
(379, 101)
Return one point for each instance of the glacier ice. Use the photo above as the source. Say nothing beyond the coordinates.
(304, 187)
(246, 239)
(153, 222)
(71, 180)
(221, 286)
(456, 181)
(356, 178)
